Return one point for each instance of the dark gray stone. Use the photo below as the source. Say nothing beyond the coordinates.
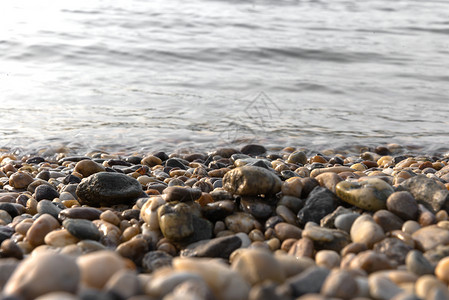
(82, 229)
(5, 232)
(156, 259)
(253, 149)
(45, 191)
(48, 207)
(181, 194)
(319, 203)
(10, 208)
(307, 282)
(416, 263)
(219, 247)
(107, 189)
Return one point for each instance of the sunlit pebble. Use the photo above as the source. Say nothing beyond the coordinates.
(195, 213)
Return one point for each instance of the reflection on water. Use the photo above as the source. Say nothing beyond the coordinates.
(169, 74)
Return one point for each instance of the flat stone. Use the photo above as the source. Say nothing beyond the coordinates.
(43, 273)
(387, 220)
(20, 180)
(287, 231)
(251, 181)
(218, 247)
(429, 237)
(9, 208)
(370, 194)
(106, 189)
(82, 229)
(240, 222)
(344, 222)
(134, 249)
(163, 283)
(382, 288)
(319, 203)
(253, 149)
(370, 261)
(124, 283)
(60, 238)
(88, 213)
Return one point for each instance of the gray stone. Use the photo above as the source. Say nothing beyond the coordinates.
(309, 281)
(82, 229)
(319, 203)
(416, 263)
(107, 189)
(154, 260)
(427, 192)
(45, 191)
(48, 207)
(219, 247)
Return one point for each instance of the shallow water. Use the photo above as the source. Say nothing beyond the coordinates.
(161, 75)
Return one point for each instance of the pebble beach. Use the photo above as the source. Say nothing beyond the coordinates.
(232, 223)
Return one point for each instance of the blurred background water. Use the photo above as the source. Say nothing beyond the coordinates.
(163, 75)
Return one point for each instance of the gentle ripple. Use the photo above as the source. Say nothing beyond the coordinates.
(161, 75)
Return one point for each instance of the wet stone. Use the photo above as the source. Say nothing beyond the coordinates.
(251, 181)
(82, 229)
(176, 222)
(370, 194)
(45, 192)
(218, 210)
(175, 163)
(106, 189)
(319, 203)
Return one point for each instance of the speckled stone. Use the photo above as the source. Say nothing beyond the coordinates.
(370, 194)
(251, 181)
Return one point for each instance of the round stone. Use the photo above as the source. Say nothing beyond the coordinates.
(88, 213)
(43, 273)
(48, 207)
(442, 270)
(258, 265)
(430, 237)
(88, 167)
(327, 258)
(365, 230)
(45, 191)
(107, 189)
(403, 205)
(20, 180)
(370, 194)
(251, 181)
(40, 228)
(82, 229)
(345, 221)
(416, 263)
(98, 267)
(60, 238)
(340, 284)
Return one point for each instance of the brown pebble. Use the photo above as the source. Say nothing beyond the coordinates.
(40, 228)
(302, 248)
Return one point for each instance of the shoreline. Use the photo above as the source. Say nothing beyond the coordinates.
(233, 223)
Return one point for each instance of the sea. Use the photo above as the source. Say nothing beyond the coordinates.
(172, 75)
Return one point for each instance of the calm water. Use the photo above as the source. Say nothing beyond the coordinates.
(160, 74)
